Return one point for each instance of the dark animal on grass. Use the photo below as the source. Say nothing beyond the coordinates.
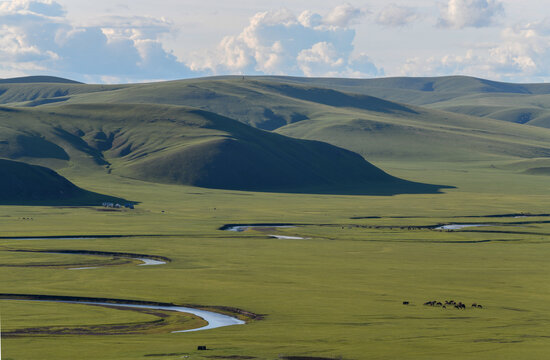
(405, 303)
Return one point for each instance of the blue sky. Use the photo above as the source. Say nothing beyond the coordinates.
(134, 41)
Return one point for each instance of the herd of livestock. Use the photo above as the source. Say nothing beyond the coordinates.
(448, 303)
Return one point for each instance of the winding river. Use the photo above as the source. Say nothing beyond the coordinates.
(244, 227)
(214, 320)
(459, 226)
(146, 260)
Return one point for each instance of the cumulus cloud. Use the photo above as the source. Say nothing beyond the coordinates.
(395, 15)
(523, 54)
(460, 14)
(279, 42)
(36, 36)
(343, 15)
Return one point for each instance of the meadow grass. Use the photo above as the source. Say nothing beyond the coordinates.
(338, 293)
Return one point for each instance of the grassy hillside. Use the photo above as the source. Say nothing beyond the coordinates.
(375, 128)
(37, 79)
(261, 103)
(173, 144)
(523, 109)
(25, 184)
(519, 103)
(419, 90)
(427, 136)
(244, 98)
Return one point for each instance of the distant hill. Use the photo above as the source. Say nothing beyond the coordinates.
(453, 85)
(99, 126)
(519, 103)
(38, 79)
(262, 104)
(377, 129)
(25, 184)
(182, 145)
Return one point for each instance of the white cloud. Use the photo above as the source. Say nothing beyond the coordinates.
(460, 14)
(35, 34)
(279, 42)
(523, 54)
(322, 58)
(310, 19)
(343, 15)
(395, 15)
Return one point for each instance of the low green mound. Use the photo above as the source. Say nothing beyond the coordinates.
(271, 163)
(538, 171)
(182, 145)
(25, 184)
(38, 79)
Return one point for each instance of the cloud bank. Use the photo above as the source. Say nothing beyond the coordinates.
(395, 16)
(523, 53)
(282, 43)
(36, 37)
(460, 14)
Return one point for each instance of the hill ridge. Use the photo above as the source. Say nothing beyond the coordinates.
(38, 79)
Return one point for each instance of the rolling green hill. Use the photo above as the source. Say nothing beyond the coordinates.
(378, 129)
(38, 79)
(519, 103)
(418, 90)
(182, 145)
(375, 128)
(25, 184)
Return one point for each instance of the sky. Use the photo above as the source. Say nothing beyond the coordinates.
(110, 41)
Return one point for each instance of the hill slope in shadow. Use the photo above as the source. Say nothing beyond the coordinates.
(182, 145)
(25, 184)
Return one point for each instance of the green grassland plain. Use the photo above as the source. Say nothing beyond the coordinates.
(336, 293)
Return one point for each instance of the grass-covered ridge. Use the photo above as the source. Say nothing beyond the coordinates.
(348, 113)
(519, 103)
(37, 80)
(182, 145)
(375, 128)
(25, 184)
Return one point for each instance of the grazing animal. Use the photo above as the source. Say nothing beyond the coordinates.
(405, 303)
(444, 307)
(474, 305)
(439, 303)
(480, 307)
